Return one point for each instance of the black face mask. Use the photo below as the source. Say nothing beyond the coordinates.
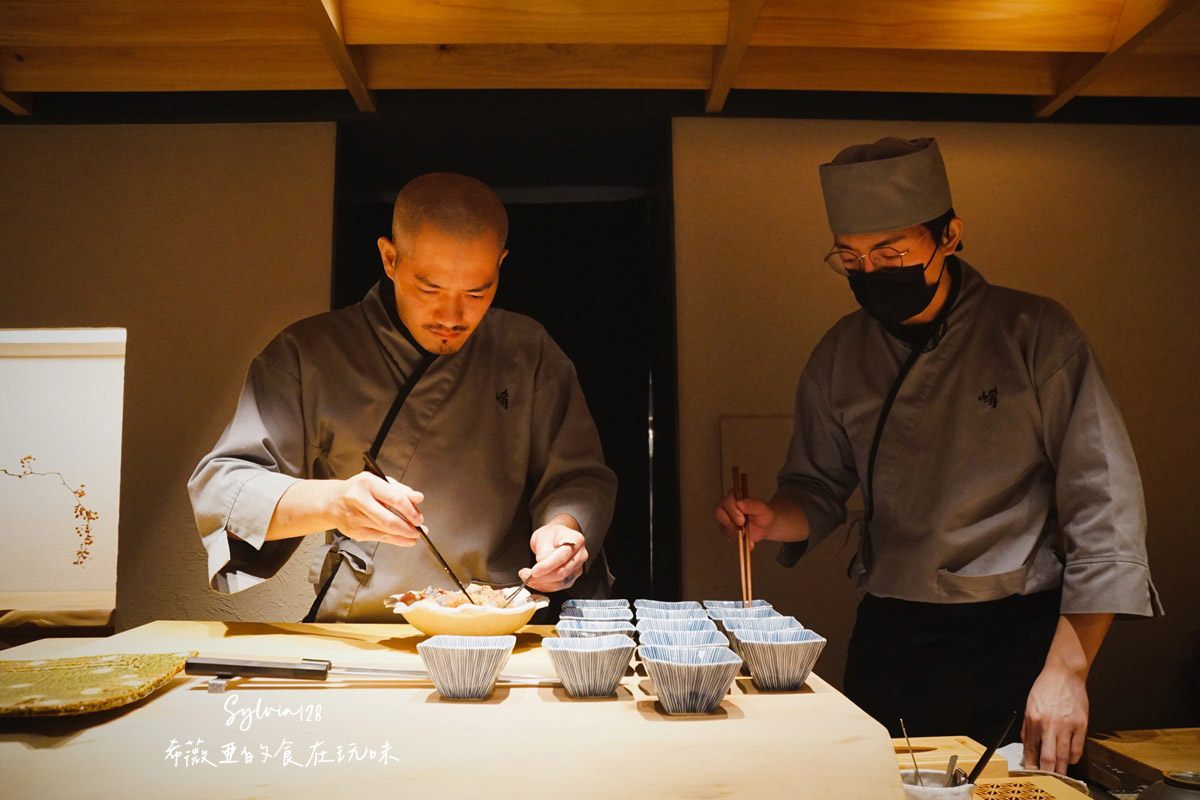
(892, 297)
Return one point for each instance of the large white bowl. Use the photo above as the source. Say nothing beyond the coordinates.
(471, 620)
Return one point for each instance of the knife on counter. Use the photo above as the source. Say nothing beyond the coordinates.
(315, 669)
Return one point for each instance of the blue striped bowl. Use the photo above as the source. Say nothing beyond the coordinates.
(690, 680)
(684, 639)
(671, 613)
(582, 628)
(623, 614)
(590, 667)
(465, 667)
(735, 604)
(734, 626)
(577, 603)
(666, 605)
(694, 624)
(780, 661)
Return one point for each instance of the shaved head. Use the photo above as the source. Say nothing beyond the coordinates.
(460, 206)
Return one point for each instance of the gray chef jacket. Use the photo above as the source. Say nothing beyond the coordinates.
(497, 436)
(1004, 467)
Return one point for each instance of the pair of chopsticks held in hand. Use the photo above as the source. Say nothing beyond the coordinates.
(741, 490)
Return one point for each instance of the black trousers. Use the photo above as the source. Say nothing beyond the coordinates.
(949, 668)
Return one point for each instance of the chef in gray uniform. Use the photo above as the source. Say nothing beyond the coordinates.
(1005, 524)
(473, 412)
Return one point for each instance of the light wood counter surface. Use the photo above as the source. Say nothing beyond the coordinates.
(524, 741)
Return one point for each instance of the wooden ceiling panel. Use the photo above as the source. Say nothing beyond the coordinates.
(1005, 25)
(1149, 75)
(167, 69)
(669, 22)
(1048, 50)
(152, 22)
(1180, 36)
(538, 67)
(860, 70)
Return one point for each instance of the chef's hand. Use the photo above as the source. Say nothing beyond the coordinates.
(360, 507)
(1056, 717)
(560, 555)
(732, 514)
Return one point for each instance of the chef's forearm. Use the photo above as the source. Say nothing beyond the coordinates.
(304, 508)
(566, 520)
(791, 523)
(1076, 642)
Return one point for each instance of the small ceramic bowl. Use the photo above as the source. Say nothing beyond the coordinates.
(465, 667)
(756, 612)
(695, 624)
(608, 614)
(590, 667)
(671, 613)
(690, 680)
(734, 626)
(722, 615)
(780, 661)
(684, 639)
(584, 628)
(666, 605)
(574, 603)
(735, 604)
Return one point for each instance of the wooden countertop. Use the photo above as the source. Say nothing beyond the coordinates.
(403, 739)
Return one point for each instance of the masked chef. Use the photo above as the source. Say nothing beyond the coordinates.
(473, 413)
(1004, 521)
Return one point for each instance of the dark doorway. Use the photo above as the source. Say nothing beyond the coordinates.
(590, 258)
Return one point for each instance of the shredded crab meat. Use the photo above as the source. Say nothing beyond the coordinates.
(482, 595)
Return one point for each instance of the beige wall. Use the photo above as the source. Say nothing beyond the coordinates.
(203, 241)
(1102, 218)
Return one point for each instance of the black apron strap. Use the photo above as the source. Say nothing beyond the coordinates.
(380, 436)
(790, 552)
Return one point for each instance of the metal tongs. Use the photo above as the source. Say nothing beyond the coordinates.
(316, 669)
(373, 468)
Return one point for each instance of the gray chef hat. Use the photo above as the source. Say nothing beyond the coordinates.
(885, 186)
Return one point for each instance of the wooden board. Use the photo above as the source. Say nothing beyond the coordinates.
(524, 740)
(1127, 759)
(933, 752)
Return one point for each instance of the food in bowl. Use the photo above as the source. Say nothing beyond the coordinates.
(482, 595)
(443, 611)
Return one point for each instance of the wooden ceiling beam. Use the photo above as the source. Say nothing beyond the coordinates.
(1139, 20)
(19, 103)
(181, 68)
(930, 71)
(582, 22)
(1008, 26)
(327, 17)
(105, 23)
(727, 58)
(533, 66)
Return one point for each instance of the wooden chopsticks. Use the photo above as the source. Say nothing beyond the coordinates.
(741, 490)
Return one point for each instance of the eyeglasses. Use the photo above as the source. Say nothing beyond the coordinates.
(885, 259)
